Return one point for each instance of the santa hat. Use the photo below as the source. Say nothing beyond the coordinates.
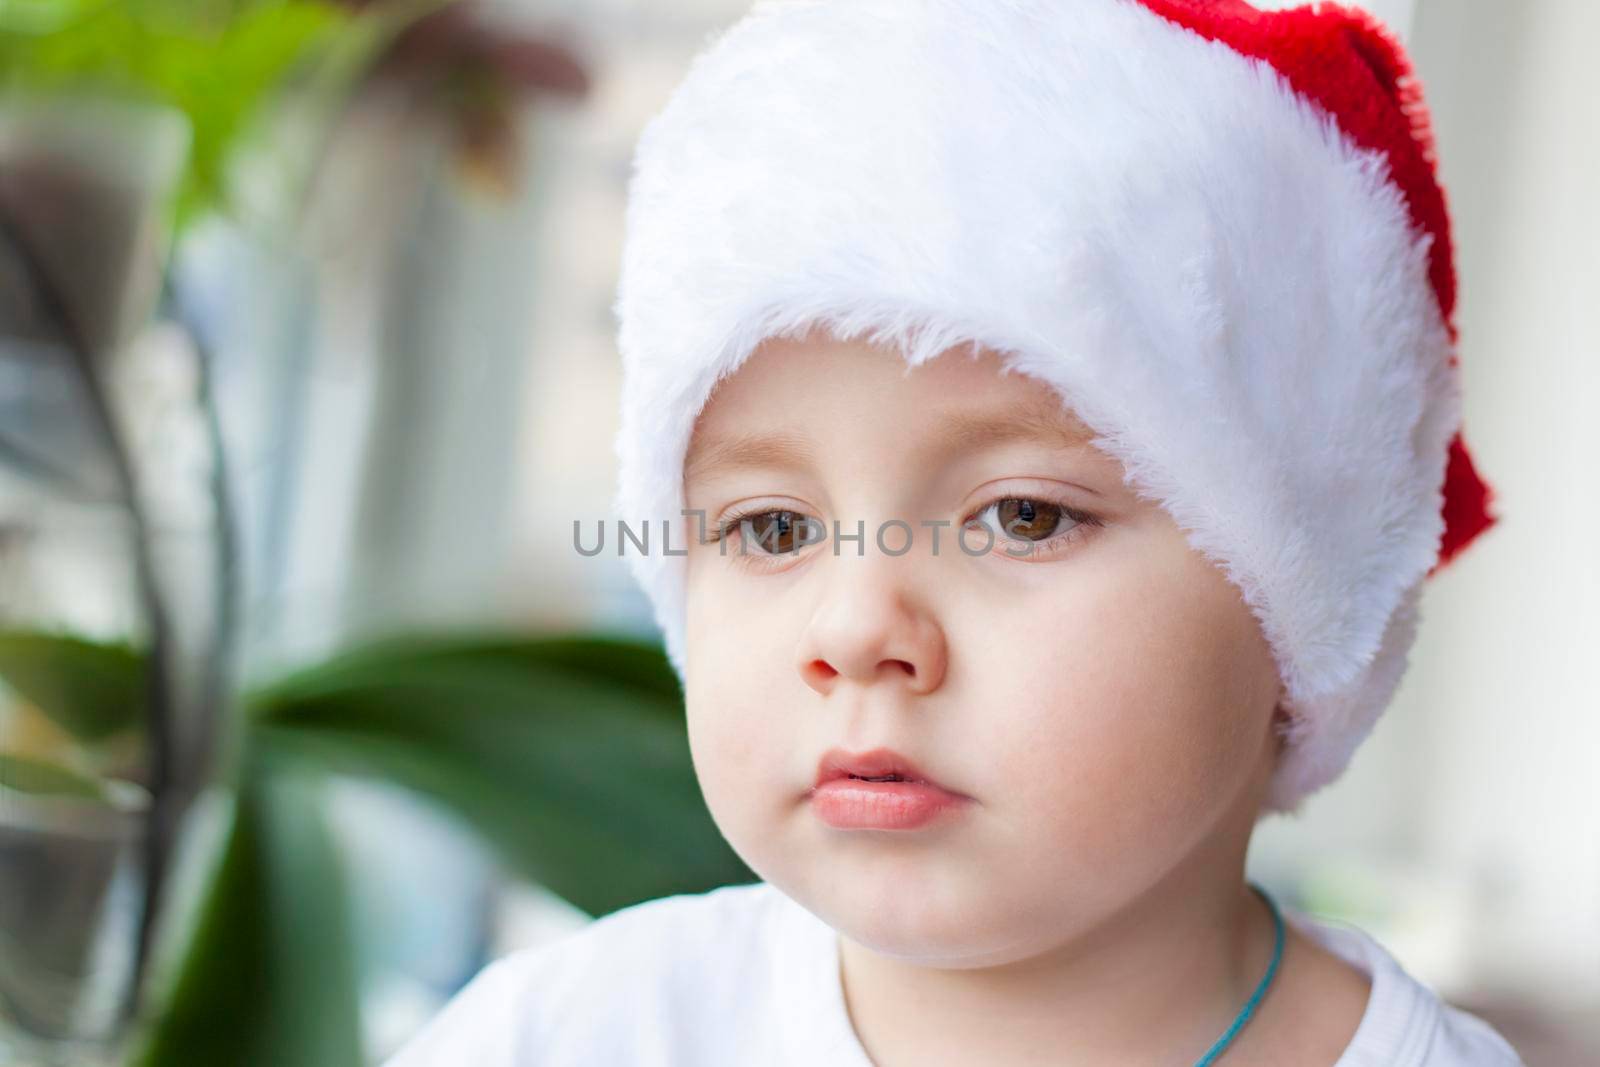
(1217, 232)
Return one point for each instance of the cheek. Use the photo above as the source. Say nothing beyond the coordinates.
(1127, 733)
(739, 736)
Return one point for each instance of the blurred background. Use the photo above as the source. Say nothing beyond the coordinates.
(308, 708)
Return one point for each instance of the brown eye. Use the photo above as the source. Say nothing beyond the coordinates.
(1026, 519)
(1030, 519)
(771, 532)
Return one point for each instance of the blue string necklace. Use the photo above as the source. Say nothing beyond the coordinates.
(1261, 988)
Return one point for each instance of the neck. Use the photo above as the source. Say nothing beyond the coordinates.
(1157, 981)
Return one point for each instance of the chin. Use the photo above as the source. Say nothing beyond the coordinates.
(928, 940)
(916, 916)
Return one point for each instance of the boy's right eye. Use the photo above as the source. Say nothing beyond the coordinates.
(770, 532)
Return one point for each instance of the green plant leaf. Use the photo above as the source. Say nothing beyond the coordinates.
(568, 754)
(269, 976)
(217, 62)
(46, 779)
(93, 690)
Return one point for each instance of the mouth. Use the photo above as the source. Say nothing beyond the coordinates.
(878, 765)
(878, 790)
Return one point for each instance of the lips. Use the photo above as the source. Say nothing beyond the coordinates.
(878, 790)
(880, 763)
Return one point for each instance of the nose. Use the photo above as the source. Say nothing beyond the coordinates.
(869, 629)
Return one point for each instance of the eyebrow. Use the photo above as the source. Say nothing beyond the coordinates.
(781, 449)
(957, 431)
(973, 430)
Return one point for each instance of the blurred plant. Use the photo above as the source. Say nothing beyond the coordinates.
(568, 755)
(83, 317)
(457, 67)
(216, 61)
(93, 690)
(220, 62)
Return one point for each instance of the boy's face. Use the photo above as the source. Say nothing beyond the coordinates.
(1097, 710)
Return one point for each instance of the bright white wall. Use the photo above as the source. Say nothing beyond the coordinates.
(1475, 802)
(1511, 711)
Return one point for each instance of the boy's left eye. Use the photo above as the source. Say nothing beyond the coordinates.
(1028, 520)
(1033, 522)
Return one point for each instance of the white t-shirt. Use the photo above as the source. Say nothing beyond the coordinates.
(743, 975)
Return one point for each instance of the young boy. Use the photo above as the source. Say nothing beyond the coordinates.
(1057, 413)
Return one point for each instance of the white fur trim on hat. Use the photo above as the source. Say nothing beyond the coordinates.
(1220, 283)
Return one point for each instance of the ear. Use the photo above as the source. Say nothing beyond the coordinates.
(1280, 721)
